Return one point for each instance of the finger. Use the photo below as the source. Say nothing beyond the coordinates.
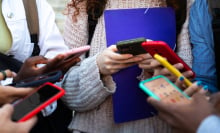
(159, 105)
(215, 98)
(124, 59)
(195, 87)
(67, 65)
(145, 56)
(27, 125)
(36, 60)
(188, 74)
(7, 110)
(180, 83)
(19, 92)
(121, 66)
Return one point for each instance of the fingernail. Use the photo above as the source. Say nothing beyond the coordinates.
(205, 87)
(199, 83)
(181, 78)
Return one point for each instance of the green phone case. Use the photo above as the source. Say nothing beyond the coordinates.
(150, 93)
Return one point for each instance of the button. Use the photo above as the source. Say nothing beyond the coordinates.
(10, 15)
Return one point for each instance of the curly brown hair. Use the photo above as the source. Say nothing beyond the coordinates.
(95, 9)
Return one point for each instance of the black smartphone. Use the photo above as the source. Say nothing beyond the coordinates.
(37, 100)
(131, 46)
(39, 80)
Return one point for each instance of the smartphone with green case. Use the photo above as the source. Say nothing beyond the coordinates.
(161, 88)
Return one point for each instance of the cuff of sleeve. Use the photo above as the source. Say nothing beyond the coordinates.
(209, 125)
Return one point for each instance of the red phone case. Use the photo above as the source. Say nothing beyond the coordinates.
(42, 105)
(164, 50)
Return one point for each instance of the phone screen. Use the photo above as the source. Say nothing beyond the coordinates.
(165, 91)
(24, 106)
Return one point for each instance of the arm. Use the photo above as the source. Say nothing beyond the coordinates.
(210, 124)
(50, 40)
(184, 116)
(200, 29)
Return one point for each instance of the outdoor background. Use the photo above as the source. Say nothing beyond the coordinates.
(58, 6)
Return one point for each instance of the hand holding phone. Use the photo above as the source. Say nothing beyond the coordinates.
(161, 88)
(132, 46)
(162, 49)
(37, 100)
(76, 52)
(171, 68)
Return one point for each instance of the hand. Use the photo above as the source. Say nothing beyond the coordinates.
(184, 116)
(7, 74)
(215, 100)
(110, 62)
(9, 94)
(30, 67)
(8, 126)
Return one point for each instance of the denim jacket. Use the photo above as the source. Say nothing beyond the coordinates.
(200, 29)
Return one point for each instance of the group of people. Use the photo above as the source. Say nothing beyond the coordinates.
(88, 80)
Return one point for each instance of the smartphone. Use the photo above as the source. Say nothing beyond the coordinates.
(76, 52)
(37, 100)
(161, 88)
(132, 46)
(164, 50)
(39, 80)
(171, 68)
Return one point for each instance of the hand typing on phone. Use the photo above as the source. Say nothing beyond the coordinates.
(30, 67)
(110, 62)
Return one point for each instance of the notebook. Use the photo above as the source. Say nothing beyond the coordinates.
(129, 102)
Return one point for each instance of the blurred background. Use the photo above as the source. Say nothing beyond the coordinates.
(58, 6)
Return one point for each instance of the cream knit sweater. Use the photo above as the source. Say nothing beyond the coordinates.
(89, 94)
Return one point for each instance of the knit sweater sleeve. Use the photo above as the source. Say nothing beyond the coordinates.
(85, 87)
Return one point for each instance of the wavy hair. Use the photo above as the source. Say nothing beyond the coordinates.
(95, 8)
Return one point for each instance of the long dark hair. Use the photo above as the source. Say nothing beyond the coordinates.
(95, 9)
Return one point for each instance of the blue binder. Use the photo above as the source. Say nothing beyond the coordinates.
(129, 102)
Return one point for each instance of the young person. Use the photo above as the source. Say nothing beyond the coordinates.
(201, 37)
(89, 86)
(16, 42)
(200, 115)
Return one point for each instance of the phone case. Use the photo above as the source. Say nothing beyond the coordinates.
(171, 68)
(161, 88)
(39, 80)
(76, 52)
(164, 50)
(132, 46)
(56, 94)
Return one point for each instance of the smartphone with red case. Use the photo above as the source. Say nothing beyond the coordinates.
(164, 50)
(76, 52)
(37, 100)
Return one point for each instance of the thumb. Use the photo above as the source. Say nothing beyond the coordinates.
(113, 48)
(27, 125)
(20, 92)
(159, 105)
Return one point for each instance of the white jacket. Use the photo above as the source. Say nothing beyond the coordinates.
(50, 40)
